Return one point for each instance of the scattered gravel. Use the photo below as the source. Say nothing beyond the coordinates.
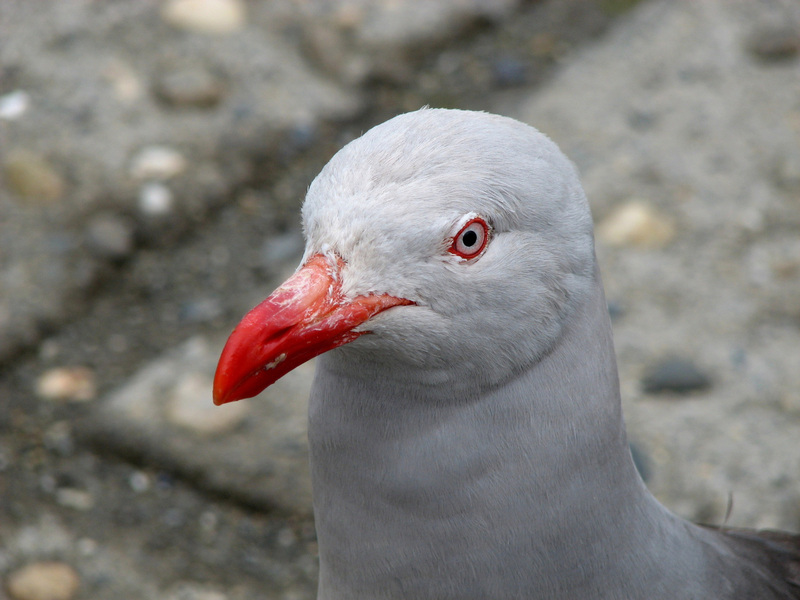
(153, 156)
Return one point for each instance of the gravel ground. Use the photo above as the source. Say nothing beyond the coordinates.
(152, 171)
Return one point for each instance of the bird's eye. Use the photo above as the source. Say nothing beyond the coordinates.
(471, 240)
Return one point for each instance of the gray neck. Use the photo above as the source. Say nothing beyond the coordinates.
(530, 487)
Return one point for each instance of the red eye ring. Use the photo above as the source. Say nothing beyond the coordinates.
(471, 239)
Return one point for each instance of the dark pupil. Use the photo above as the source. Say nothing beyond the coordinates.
(469, 239)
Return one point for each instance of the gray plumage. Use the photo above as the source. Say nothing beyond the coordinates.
(472, 446)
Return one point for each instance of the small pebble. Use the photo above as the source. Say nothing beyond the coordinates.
(641, 120)
(638, 224)
(30, 176)
(775, 43)
(44, 581)
(157, 162)
(75, 499)
(125, 83)
(76, 384)
(139, 482)
(190, 87)
(205, 16)
(675, 375)
(155, 199)
(110, 236)
(14, 104)
(509, 72)
(190, 407)
(615, 310)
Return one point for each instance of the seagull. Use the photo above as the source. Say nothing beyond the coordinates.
(465, 426)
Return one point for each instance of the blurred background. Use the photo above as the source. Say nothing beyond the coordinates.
(153, 158)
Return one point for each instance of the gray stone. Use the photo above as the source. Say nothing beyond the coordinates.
(775, 43)
(674, 374)
(191, 86)
(509, 71)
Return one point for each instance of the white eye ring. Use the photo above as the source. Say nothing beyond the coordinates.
(471, 239)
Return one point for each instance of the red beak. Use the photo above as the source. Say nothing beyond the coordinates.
(304, 317)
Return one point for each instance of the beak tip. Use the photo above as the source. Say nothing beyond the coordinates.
(222, 389)
(219, 396)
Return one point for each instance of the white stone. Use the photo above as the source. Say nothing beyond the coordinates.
(155, 199)
(157, 162)
(636, 223)
(139, 482)
(205, 16)
(44, 581)
(76, 499)
(14, 104)
(76, 384)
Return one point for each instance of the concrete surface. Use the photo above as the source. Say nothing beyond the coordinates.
(153, 161)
